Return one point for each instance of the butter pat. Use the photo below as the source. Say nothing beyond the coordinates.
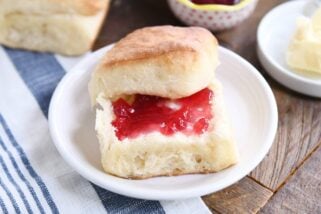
(304, 52)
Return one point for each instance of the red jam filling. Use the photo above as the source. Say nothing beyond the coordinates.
(189, 115)
(226, 2)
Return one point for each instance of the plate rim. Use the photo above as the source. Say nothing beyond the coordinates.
(156, 194)
(280, 73)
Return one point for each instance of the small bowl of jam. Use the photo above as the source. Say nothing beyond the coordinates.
(215, 15)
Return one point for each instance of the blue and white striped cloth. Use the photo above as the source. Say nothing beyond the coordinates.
(33, 176)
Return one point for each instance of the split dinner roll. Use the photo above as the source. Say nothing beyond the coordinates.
(169, 62)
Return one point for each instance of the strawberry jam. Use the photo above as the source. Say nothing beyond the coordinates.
(226, 2)
(189, 115)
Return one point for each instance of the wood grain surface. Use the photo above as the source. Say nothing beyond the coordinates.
(302, 193)
(288, 179)
(298, 135)
(246, 196)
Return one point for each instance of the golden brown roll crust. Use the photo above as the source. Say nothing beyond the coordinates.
(150, 42)
(164, 61)
(84, 7)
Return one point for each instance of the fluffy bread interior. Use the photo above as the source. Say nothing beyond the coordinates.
(165, 61)
(50, 26)
(154, 154)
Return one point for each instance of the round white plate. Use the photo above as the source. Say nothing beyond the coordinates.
(250, 103)
(273, 36)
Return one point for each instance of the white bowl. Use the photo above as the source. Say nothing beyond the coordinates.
(214, 17)
(273, 35)
(250, 103)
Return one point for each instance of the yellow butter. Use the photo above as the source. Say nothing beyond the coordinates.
(304, 52)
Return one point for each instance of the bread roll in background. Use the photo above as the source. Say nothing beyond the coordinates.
(170, 62)
(67, 27)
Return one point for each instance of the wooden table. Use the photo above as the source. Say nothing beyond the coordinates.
(288, 180)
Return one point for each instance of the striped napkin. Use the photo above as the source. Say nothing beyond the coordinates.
(34, 178)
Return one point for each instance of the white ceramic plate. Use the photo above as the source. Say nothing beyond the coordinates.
(274, 34)
(250, 103)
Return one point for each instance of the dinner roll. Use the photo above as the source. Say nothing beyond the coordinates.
(151, 68)
(68, 27)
